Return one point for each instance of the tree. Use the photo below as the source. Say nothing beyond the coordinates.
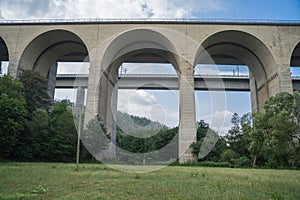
(237, 137)
(35, 139)
(282, 102)
(95, 137)
(229, 156)
(40, 137)
(12, 114)
(283, 130)
(257, 137)
(63, 133)
(11, 87)
(35, 91)
(209, 144)
(296, 136)
(12, 121)
(275, 133)
(233, 136)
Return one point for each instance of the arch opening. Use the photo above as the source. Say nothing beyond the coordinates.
(237, 48)
(217, 103)
(141, 83)
(4, 57)
(54, 52)
(295, 68)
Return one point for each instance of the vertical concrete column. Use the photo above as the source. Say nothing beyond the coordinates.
(1, 70)
(14, 59)
(114, 109)
(52, 80)
(187, 113)
(110, 112)
(263, 95)
(79, 100)
(253, 91)
(93, 92)
(111, 89)
(285, 79)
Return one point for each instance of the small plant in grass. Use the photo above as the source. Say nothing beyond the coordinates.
(39, 190)
(194, 174)
(137, 176)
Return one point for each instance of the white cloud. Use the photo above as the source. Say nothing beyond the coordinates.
(1, 17)
(145, 104)
(135, 102)
(31, 9)
(219, 121)
(143, 98)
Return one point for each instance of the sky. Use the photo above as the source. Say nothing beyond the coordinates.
(227, 9)
(158, 105)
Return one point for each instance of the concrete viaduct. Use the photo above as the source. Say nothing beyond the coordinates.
(267, 48)
(166, 82)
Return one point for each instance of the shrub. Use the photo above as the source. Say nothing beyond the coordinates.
(242, 162)
(228, 156)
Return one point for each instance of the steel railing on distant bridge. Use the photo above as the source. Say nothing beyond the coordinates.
(156, 75)
(166, 75)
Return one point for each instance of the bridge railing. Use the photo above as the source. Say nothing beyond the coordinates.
(294, 77)
(154, 75)
(151, 20)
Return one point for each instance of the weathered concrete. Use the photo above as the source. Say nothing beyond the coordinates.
(187, 113)
(267, 49)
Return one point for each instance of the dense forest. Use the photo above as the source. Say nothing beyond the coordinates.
(33, 128)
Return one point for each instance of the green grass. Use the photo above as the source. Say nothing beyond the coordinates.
(96, 181)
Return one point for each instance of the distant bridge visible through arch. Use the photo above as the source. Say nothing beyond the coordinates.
(269, 49)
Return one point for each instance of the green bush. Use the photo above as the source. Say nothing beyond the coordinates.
(214, 164)
(228, 156)
(207, 164)
(242, 162)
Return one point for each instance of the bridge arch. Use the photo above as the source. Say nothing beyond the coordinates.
(4, 55)
(132, 46)
(295, 55)
(47, 49)
(52, 46)
(295, 66)
(139, 41)
(241, 48)
(137, 45)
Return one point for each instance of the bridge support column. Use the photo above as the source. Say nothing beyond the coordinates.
(111, 113)
(79, 100)
(284, 76)
(13, 66)
(253, 93)
(52, 80)
(187, 115)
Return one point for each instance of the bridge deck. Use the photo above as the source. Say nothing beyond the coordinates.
(166, 82)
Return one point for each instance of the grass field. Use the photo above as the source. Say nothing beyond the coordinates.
(96, 181)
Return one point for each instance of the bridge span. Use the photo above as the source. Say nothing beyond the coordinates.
(166, 82)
